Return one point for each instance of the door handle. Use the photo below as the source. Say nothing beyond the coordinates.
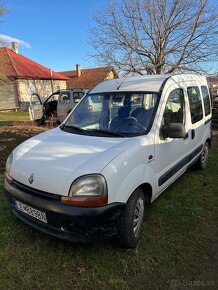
(193, 133)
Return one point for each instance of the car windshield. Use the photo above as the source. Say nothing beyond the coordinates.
(113, 114)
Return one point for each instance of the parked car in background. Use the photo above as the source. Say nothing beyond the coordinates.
(94, 175)
(58, 105)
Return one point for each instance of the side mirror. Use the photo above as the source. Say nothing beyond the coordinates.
(173, 130)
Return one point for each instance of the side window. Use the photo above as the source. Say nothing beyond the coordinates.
(136, 100)
(174, 110)
(35, 100)
(77, 96)
(53, 98)
(150, 101)
(206, 99)
(195, 104)
(64, 98)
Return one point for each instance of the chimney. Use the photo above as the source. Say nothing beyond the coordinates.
(78, 70)
(14, 46)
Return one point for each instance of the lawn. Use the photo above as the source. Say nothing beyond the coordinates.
(7, 117)
(178, 246)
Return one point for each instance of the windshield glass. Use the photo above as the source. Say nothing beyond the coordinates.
(117, 114)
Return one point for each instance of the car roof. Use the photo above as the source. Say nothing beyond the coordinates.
(148, 83)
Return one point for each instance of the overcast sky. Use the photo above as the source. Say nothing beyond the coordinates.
(51, 32)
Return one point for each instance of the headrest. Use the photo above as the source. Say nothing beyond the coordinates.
(138, 111)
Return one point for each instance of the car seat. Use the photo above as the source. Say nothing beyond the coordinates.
(122, 119)
(142, 116)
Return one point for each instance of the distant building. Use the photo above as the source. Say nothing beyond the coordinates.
(25, 78)
(88, 78)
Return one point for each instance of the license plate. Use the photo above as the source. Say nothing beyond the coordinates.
(33, 212)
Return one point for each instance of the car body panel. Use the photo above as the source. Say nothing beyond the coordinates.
(59, 156)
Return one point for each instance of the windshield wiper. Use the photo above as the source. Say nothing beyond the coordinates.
(73, 129)
(106, 132)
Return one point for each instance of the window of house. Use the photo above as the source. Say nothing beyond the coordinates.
(174, 110)
(206, 100)
(195, 104)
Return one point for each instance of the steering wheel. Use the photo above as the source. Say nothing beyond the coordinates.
(130, 125)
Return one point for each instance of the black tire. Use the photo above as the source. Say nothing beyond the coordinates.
(130, 227)
(202, 160)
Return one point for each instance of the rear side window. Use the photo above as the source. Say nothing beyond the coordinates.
(195, 104)
(206, 99)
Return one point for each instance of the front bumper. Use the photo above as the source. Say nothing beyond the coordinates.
(73, 223)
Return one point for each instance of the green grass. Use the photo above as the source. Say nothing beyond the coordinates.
(178, 245)
(7, 117)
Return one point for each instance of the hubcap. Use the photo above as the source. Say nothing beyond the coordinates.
(138, 216)
(204, 155)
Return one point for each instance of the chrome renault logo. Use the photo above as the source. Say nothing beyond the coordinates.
(31, 178)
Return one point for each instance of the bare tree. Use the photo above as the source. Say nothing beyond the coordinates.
(156, 36)
(2, 10)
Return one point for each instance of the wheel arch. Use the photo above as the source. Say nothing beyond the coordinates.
(147, 190)
(209, 142)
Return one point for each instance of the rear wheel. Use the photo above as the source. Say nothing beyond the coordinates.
(130, 227)
(202, 160)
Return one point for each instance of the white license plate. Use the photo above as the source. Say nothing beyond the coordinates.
(35, 213)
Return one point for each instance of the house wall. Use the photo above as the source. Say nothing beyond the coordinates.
(8, 97)
(43, 88)
(110, 76)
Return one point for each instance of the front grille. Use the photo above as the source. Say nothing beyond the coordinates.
(36, 192)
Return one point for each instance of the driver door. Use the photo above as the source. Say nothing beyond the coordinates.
(172, 154)
(35, 108)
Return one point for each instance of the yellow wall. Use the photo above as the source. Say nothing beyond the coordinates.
(110, 76)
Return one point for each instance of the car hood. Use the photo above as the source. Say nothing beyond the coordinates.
(57, 158)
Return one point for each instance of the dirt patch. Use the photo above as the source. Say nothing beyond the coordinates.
(12, 136)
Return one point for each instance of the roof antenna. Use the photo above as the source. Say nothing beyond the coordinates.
(124, 78)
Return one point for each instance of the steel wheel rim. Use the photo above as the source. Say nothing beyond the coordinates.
(204, 155)
(138, 216)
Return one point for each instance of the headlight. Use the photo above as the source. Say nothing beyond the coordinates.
(88, 190)
(8, 164)
(90, 185)
(8, 168)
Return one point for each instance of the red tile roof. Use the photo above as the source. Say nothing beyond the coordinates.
(17, 66)
(89, 77)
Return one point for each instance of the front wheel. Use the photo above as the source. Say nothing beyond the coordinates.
(130, 227)
(202, 160)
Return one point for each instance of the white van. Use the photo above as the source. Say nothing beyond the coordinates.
(58, 105)
(94, 175)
